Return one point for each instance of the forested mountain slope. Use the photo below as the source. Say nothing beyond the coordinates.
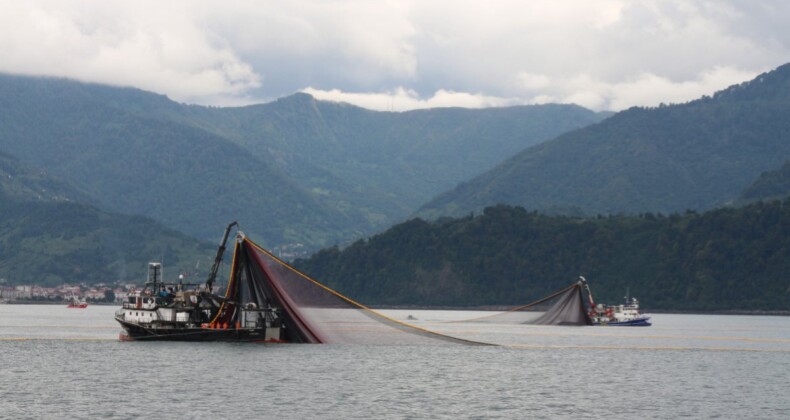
(387, 164)
(21, 182)
(771, 185)
(182, 176)
(697, 155)
(47, 238)
(727, 259)
(294, 170)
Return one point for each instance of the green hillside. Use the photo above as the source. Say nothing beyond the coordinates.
(728, 259)
(697, 155)
(47, 238)
(20, 182)
(294, 170)
(184, 177)
(387, 164)
(771, 185)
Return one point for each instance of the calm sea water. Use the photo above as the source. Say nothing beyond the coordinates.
(67, 363)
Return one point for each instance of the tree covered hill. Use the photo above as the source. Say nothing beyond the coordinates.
(294, 170)
(48, 237)
(387, 164)
(727, 259)
(771, 185)
(21, 182)
(134, 163)
(697, 155)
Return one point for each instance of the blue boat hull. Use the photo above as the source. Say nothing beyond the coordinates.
(643, 322)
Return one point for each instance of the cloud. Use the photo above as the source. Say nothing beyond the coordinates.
(402, 99)
(124, 44)
(645, 89)
(650, 90)
(607, 54)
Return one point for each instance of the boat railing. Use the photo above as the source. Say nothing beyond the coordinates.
(142, 303)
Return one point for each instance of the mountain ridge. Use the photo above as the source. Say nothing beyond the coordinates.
(140, 153)
(697, 155)
(138, 165)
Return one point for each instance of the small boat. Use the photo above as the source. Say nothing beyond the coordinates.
(77, 303)
(625, 315)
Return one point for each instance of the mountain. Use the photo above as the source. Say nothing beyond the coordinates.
(726, 259)
(20, 182)
(48, 238)
(294, 170)
(386, 164)
(770, 185)
(135, 163)
(697, 155)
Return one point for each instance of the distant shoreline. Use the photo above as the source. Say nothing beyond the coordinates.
(47, 302)
(473, 308)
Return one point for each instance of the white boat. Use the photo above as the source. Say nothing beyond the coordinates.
(625, 315)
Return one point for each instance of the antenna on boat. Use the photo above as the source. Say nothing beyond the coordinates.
(218, 259)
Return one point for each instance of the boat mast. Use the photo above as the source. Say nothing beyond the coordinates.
(218, 259)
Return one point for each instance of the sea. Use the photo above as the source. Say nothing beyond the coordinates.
(57, 362)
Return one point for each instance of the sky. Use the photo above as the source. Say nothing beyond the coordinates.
(402, 55)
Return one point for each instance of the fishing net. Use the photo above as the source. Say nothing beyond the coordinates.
(564, 307)
(310, 311)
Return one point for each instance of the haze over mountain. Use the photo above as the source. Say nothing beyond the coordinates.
(697, 155)
(295, 170)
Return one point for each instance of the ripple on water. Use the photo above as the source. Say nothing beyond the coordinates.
(72, 364)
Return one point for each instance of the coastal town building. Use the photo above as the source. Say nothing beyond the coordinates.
(96, 293)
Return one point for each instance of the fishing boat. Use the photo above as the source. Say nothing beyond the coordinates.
(265, 300)
(625, 315)
(193, 312)
(77, 303)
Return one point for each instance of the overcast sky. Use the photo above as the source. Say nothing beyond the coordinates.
(399, 55)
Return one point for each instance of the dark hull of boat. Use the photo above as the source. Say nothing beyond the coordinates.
(138, 332)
